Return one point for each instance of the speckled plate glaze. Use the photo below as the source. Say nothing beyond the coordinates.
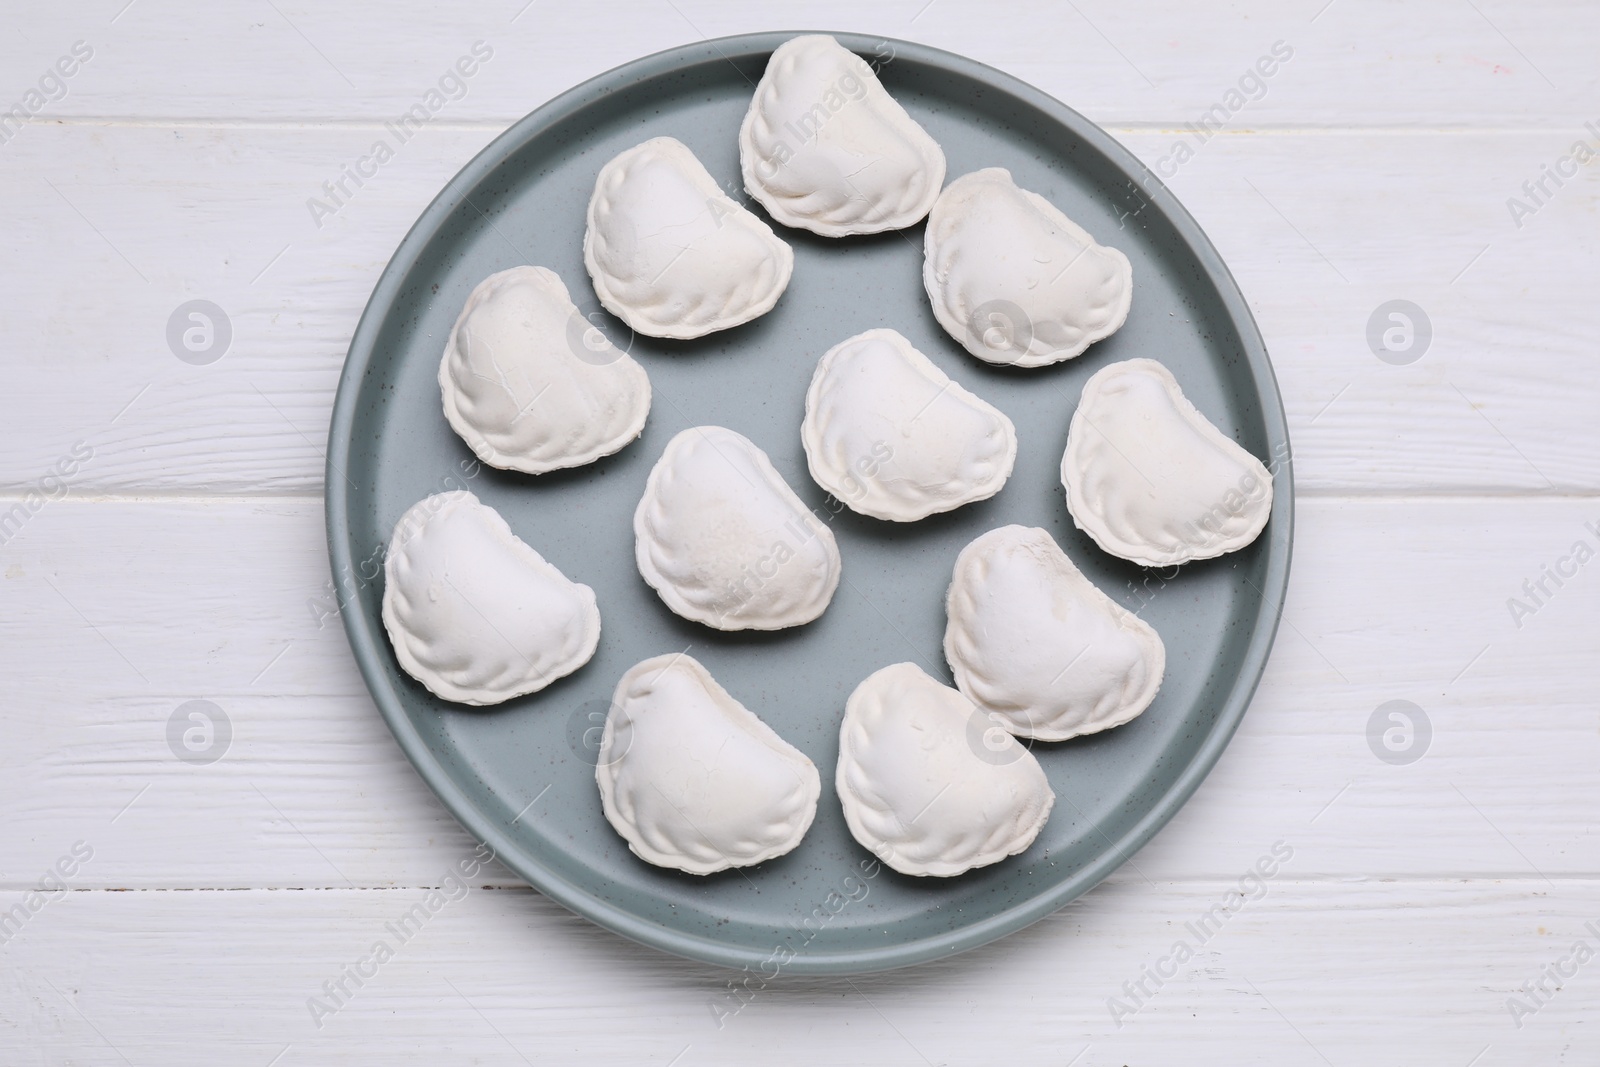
(520, 776)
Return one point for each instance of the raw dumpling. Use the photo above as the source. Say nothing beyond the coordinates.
(671, 254)
(927, 784)
(1016, 281)
(529, 385)
(692, 779)
(1150, 479)
(1038, 647)
(825, 147)
(473, 612)
(891, 435)
(725, 541)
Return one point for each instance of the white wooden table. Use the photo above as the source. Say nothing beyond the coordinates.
(163, 543)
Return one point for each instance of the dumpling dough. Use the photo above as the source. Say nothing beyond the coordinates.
(671, 254)
(1150, 479)
(891, 435)
(692, 779)
(473, 612)
(928, 786)
(1016, 281)
(529, 386)
(1038, 647)
(824, 146)
(726, 542)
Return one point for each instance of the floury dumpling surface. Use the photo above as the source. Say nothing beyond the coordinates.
(692, 779)
(1151, 479)
(1038, 647)
(529, 385)
(670, 253)
(1013, 279)
(724, 540)
(927, 784)
(824, 147)
(473, 612)
(888, 432)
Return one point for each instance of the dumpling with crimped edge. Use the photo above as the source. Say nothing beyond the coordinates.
(825, 148)
(530, 385)
(888, 432)
(1038, 647)
(1151, 479)
(692, 779)
(723, 539)
(1013, 279)
(928, 784)
(671, 254)
(475, 613)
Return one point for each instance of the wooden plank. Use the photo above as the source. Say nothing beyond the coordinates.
(1296, 973)
(165, 602)
(188, 561)
(1321, 229)
(1427, 63)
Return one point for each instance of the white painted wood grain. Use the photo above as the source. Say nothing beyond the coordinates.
(1376, 166)
(1313, 972)
(1432, 62)
(1319, 228)
(164, 602)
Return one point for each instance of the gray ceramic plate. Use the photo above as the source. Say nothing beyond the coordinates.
(520, 777)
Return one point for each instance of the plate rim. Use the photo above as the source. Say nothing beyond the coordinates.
(367, 644)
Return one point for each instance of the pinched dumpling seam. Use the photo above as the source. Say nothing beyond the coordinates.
(955, 296)
(500, 670)
(752, 264)
(882, 481)
(1231, 519)
(828, 199)
(611, 393)
(688, 848)
(916, 849)
(996, 690)
(766, 592)
(877, 816)
(776, 836)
